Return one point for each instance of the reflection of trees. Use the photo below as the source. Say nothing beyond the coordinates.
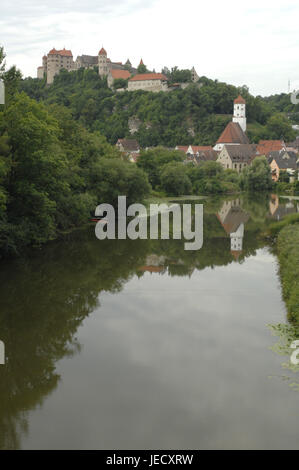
(43, 302)
(45, 298)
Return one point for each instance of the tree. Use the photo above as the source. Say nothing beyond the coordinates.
(174, 179)
(279, 127)
(257, 177)
(152, 161)
(141, 67)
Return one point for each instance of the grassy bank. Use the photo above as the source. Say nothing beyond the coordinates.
(288, 255)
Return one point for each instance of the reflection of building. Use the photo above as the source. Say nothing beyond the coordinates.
(233, 220)
(278, 211)
(154, 264)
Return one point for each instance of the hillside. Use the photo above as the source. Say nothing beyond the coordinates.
(195, 115)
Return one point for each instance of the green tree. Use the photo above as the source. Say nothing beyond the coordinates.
(257, 177)
(174, 179)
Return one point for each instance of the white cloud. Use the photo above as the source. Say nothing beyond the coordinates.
(253, 43)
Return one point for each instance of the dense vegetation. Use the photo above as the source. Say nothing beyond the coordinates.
(195, 115)
(168, 173)
(53, 171)
(288, 254)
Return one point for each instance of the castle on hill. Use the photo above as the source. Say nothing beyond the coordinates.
(56, 60)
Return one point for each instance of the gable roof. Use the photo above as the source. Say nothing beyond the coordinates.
(129, 144)
(241, 153)
(125, 74)
(240, 100)
(285, 160)
(182, 148)
(233, 134)
(234, 218)
(266, 146)
(148, 76)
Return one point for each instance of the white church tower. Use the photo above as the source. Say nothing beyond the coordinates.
(240, 112)
(236, 239)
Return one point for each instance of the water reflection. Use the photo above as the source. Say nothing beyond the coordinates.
(45, 298)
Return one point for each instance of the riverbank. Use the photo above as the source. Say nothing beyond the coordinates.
(287, 247)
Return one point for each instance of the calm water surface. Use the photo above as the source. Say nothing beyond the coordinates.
(140, 344)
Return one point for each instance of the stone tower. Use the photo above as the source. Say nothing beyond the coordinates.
(240, 112)
(103, 63)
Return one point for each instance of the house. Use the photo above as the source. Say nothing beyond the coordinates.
(282, 161)
(129, 148)
(198, 153)
(237, 157)
(266, 146)
(148, 82)
(233, 134)
(293, 146)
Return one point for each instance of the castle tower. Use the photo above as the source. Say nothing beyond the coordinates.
(103, 63)
(240, 112)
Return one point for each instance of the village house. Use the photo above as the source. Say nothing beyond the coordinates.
(198, 153)
(282, 161)
(293, 146)
(266, 146)
(237, 157)
(129, 148)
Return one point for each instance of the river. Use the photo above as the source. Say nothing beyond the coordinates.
(143, 345)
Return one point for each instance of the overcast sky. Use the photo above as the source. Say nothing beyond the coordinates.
(254, 42)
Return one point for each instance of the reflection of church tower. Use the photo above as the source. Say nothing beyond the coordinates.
(236, 240)
(233, 220)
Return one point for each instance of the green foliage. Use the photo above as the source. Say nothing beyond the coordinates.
(141, 68)
(288, 254)
(174, 179)
(165, 117)
(152, 161)
(51, 172)
(257, 176)
(175, 75)
(279, 127)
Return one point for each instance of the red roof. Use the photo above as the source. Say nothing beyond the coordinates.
(183, 148)
(141, 62)
(201, 148)
(120, 74)
(239, 100)
(63, 52)
(233, 134)
(102, 52)
(266, 146)
(148, 76)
